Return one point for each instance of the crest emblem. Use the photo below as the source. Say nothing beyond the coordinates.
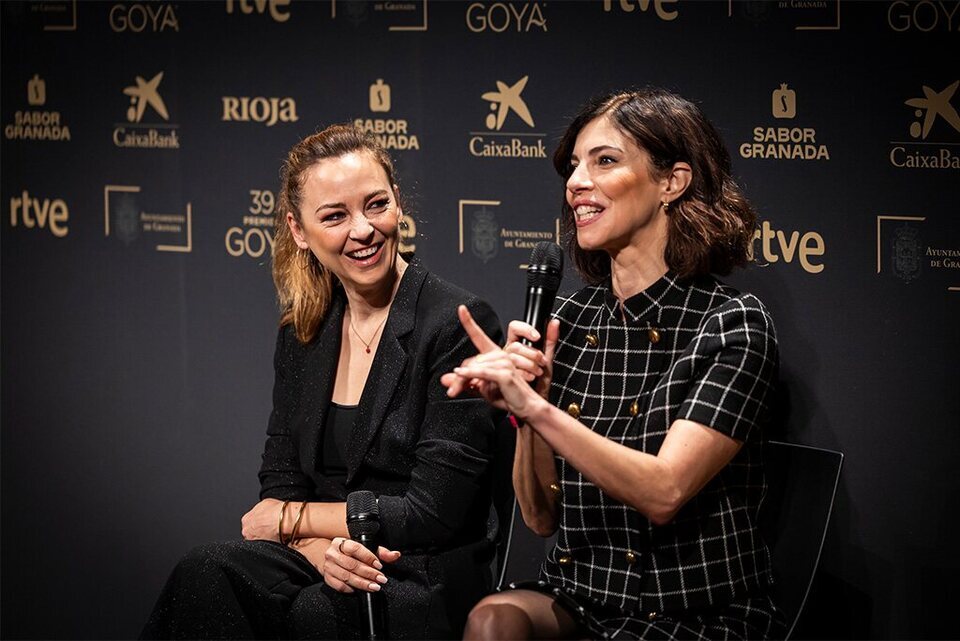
(125, 219)
(907, 252)
(485, 231)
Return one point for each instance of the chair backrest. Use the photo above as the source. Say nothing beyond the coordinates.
(523, 551)
(801, 486)
(500, 522)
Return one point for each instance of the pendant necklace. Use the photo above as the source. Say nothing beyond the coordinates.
(367, 344)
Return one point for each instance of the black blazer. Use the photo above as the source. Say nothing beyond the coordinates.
(426, 456)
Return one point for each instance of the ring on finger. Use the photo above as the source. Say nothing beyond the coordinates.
(340, 547)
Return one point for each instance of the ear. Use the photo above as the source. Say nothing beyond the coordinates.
(676, 181)
(396, 198)
(297, 231)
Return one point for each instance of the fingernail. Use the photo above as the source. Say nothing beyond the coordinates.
(374, 587)
(378, 565)
(381, 578)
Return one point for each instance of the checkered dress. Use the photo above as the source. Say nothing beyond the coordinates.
(693, 350)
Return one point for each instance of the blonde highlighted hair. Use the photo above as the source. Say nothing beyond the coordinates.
(304, 286)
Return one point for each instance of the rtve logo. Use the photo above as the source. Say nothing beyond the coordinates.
(41, 213)
(629, 6)
(273, 7)
(267, 111)
(154, 16)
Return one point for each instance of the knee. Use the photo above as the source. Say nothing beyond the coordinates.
(206, 558)
(491, 619)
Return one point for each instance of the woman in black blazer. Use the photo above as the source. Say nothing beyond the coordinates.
(365, 336)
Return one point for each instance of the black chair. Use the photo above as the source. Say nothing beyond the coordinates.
(523, 551)
(801, 486)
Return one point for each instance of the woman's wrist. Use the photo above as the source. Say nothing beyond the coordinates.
(535, 412)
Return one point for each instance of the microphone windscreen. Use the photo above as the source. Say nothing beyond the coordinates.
(545, 268)
(363, 514)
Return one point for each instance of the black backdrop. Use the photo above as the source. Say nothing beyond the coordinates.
(138, 314)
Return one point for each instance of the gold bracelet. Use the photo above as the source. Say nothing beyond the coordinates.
(283, 508)
(296, 524)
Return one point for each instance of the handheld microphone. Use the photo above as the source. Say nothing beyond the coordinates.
(363, 523)
(543, 280)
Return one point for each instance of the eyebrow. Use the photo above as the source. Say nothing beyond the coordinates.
(598, 149)
(340, 205)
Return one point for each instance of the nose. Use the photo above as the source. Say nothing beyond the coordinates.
(579, 180)
(360, 228)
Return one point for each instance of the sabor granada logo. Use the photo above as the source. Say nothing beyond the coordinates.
(784, 143)
(35, 124)
(392, 133)
(496, 143)
(146, 135)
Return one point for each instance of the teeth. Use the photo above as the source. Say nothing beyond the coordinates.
(364, 253)
(587, 211)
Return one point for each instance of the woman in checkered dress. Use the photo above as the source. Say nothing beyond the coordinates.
(642, 441)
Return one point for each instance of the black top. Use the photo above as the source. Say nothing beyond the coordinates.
(336, 436)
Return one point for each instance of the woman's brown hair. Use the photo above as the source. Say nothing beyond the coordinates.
(304, 286)
(711, 225)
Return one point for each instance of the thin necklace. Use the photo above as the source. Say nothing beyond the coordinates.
(367, 344)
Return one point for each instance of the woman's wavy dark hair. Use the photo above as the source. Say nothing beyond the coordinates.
(711, 225)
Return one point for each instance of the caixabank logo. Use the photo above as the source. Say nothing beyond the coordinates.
(509, 125)
(787, 135)
(914, 247)
(933, 140)
(134, 219)
(142, 130)
(391, 130)
(37, 122)
(486, 232)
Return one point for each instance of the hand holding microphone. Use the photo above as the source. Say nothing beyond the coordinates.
(354, 564)
(503, 376)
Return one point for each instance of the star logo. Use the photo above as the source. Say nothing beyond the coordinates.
(932, 105)
(145, 93)
(505, 100)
